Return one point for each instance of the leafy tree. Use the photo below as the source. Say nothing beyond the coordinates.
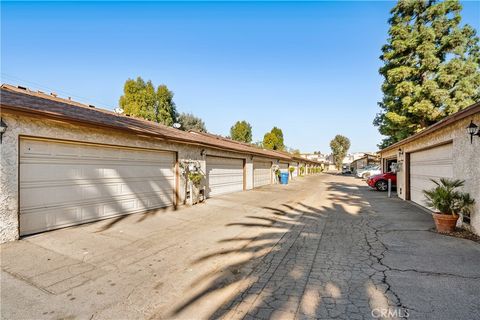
(339, 145)
(431, 67)
(273, 140)
(142, 100)
(295, 152)
(241, 131)
(270, 141)
(279, 133)
(191, 122)
(166, 112)
(139, 99)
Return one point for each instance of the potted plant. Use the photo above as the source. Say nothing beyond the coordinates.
(195, 178)
(277, 174)
(302, 171)
(291, 169)
(449, 203)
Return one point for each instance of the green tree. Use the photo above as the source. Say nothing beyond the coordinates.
(142, 100)
(241, 131)
(295, 152)
(191, 122)
(273, 140)
(165, 109)
(279, 133)
(139, 99)
(339, 145)
(431, 67)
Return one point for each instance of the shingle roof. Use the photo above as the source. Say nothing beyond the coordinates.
(31, 102)
(462, 114)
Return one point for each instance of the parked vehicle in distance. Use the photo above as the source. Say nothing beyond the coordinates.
(370, 172)
(359, 172)
(346, 169)
(380, 181)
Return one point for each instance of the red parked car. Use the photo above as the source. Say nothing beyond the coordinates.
(380, 181)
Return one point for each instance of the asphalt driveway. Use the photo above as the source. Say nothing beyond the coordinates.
(321, 247)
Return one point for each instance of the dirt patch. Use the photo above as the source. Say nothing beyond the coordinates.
(463, 234)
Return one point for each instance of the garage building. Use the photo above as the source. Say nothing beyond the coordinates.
(65, 163)
(444, 149)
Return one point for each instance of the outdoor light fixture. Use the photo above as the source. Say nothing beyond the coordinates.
(472, 130)
(3, 128)
(400, 153)
(203, 153)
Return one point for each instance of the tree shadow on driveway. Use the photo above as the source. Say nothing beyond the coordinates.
(306, 260)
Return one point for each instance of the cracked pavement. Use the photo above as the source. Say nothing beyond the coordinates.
(323, 247)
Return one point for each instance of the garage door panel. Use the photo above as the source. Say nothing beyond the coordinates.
(57, 189)
(48, 218)
(38, 197)
(224, 175)
(262, 173)
(426, 165)
(35, 171)
(57, 151)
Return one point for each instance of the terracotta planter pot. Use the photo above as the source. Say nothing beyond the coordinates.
(445, 222)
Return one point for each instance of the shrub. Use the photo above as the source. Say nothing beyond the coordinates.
(445, 197)
(195, 177)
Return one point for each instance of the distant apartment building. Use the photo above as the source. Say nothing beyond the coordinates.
(321, 157)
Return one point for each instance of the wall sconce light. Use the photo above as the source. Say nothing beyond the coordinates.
(400, 153)
(203, 153)
(472, 130)
(3, 128)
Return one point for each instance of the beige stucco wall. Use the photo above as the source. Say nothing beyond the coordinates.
(21, 125)
(466, 159)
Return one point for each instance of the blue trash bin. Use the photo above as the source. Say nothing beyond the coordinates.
(284, 178)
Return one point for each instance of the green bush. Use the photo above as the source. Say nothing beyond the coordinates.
(195, 177)
(302, 171)
(445, 197)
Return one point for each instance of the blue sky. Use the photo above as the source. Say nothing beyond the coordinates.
(310, 68)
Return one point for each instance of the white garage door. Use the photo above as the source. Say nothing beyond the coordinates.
(283, 167)
(63, 183)
(224, 175)
(429, 164)
(262, 173)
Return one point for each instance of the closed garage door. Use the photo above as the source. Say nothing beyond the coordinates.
(429, 164)
(224, 175)
(63, 183)
(262, 173)
(283, 167)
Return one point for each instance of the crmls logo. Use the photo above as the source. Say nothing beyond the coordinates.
(390, 313)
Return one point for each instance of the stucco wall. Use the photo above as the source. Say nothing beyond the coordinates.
(466, 160)
(21, 125)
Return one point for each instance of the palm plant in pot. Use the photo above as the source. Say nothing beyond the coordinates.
(449, 203)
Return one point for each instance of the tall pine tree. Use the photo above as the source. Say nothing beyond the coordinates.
(431, 67)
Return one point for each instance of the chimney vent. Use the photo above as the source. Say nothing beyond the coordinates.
(20, 87)
(91, 106)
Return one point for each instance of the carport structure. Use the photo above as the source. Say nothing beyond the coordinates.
(65, 163)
